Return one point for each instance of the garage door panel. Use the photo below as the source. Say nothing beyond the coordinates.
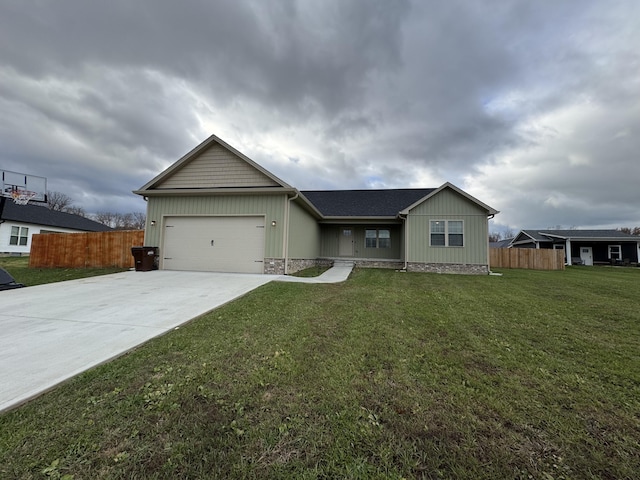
(219, 244)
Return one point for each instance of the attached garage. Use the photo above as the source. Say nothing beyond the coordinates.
(214, 243)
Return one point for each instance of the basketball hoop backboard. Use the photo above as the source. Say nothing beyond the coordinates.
(19, 185)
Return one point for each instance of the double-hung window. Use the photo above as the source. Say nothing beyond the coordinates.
(446, 233)
(19, 236)
(615, 252)
(377, 238)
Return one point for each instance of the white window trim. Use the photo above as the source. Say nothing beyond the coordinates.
(377, 237)
(446, 233)
(23, 233)
(619, 247)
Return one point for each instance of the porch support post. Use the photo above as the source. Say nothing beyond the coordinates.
(567, 250)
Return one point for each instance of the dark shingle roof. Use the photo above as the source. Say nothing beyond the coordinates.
(586, 233)
(41, 215)
(533, 234)
(501, 243)
(547, 235)
(364, 203)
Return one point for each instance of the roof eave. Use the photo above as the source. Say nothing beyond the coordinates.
(195, 192)
(307, 204)
(598, 239)
(360, 220)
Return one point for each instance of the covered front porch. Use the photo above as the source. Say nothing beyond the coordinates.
(366, 244)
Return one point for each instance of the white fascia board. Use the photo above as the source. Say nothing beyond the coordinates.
(362, 220)
(191, 192)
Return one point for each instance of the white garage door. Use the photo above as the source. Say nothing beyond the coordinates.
(214, 244)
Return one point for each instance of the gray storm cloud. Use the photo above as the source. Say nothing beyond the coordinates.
(530, 106)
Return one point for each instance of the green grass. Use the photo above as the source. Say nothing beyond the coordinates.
(312, 271)
(19, 269)
(389, 375)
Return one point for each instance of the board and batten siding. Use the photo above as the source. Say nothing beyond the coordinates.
(448, 205)
(271, 207)
(330, 242)
(217, 167)
(304, 234)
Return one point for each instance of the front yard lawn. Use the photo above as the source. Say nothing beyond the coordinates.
(19, 269)
(388, 375)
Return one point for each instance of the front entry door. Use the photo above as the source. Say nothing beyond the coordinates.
(345, 247)
(586, 255)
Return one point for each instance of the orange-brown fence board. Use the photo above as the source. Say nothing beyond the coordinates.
(529, 258)
(82, 250)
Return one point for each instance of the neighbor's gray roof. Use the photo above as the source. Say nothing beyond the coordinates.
(586, 233)
(544, 235)
(501, 243)
(41, 215)
(365, 203)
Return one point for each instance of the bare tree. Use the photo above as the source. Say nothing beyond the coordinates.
(139, 220)
(76, 211)
(121, 221)
(505, 235)
(62, 202)
(59, 201)
(630, 231)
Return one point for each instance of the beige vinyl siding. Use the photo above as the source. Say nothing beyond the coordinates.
(448, 205)
(330, 242)
(304, 236)
(214, 244)
(214, 168)
(269, 206)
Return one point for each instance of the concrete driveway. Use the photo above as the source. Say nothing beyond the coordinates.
(49, 333)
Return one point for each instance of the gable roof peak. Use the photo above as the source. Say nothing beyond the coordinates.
(459, 191)
(164, 179)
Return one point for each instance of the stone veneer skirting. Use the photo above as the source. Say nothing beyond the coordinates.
(393, 264)
(275, 266)
(448, 268)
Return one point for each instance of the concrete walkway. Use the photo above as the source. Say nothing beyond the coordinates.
(336, 274)
(50, 333)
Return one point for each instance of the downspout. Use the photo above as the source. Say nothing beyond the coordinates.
(406, 241)
(286, 232)
(489, 217)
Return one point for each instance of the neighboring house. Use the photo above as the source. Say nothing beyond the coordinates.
(506, 243)
(584, 247)
(217, 210)
(18, 223)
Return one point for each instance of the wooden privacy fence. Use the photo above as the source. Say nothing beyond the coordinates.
(81, 250)
(529, 258)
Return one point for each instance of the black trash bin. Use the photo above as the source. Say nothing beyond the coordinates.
(145, 258)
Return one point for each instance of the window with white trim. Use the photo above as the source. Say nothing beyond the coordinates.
(446, 233)
(19, 236)
(615, 252)
(377, 238)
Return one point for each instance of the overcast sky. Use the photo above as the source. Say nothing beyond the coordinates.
(531, 106)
